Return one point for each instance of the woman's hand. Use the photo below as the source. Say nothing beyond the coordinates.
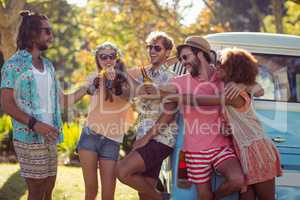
(94, 85)
(110, 73)
(97, 82)
(233, 90)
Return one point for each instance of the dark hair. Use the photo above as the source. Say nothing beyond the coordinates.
(168, 42)
(195, 52)
(206, 56)
(29, 29)
(240, 65)
(1, 59)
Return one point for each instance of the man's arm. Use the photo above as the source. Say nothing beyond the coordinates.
(10, 107)
(233, 89)
(211, 100)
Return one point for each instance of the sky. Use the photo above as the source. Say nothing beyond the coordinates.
(189, 15)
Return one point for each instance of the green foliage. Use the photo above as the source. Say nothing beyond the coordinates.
(5, 131)
(237, 16)
(71, 133)
(291, 20)
(67, 35)
(4, 3)
(5, 126)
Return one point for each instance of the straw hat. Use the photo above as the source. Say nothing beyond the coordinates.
(197, 42)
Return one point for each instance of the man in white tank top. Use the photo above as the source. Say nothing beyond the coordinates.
(32, 97)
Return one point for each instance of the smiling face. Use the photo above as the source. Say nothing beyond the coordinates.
(157, 52)
(188, 59)
(191, 61)
(106, 58)
(194, 61)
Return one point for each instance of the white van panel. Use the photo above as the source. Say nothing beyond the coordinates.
(266, 43)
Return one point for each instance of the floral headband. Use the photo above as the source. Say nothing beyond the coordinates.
(108, 45)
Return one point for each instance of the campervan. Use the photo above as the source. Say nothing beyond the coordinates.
(278, 110)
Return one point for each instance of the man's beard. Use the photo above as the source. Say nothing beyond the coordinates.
(196, 66)
(156, 61)
(42, 47)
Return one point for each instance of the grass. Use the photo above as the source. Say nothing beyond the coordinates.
(69, 185)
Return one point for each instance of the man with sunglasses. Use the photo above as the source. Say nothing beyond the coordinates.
(31, 95)
(203, 139)
(157, 128)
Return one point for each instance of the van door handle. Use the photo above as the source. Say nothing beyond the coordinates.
(279, 139)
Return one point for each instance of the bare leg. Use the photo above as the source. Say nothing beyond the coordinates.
(49, 186)
(265, 190)
(89, 161)
(152, 182)
(36, 188)
(249, 195)
(234, 178)
(108, 178)
(128, 171)
(204, 191)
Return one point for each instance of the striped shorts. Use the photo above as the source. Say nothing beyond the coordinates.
(200, 164)
(37, 161)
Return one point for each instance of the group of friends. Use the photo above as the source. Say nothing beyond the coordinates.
(215, 99)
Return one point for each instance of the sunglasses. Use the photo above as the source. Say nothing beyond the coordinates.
(157, 48)
(183, 57)
(47, 30)
(107, 56)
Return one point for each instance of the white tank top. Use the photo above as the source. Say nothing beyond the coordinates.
(44, 84)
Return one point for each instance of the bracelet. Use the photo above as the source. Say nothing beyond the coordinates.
(31, 123)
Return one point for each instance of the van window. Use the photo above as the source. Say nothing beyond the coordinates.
(280, 77)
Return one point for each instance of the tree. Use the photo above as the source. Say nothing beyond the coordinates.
(204, 23)
(9, 20)
(127, 23)
(67, 35)
(288, 23)
(244, 15)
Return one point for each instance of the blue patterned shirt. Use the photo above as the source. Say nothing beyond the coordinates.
(17, 74)
(150, 110)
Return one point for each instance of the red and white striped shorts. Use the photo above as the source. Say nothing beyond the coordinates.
(200, 164)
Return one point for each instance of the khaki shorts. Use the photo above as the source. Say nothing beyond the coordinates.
(37, 161)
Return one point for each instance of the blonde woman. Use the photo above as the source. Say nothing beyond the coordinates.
(108, 119)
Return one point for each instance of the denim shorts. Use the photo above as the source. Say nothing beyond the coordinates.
(105, 148)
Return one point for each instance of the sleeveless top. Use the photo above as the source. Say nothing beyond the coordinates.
(246, 130)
